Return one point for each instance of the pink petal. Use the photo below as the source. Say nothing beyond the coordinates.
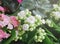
(3, 34)
(1, 8)
(19, 1)
(1, 24)
(14, 21)
(5, 19)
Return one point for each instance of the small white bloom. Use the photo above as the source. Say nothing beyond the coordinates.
(48, 21)
(22, 14)
(25, 27)
(38, 16)
(10, 26)
(43, 21)
(55, 5)
(27, 11)
(31, 19)
(56, 14)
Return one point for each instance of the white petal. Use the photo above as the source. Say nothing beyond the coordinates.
(10, 26)
(25, 27)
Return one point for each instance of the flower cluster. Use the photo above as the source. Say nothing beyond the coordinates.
(25, 23)
(56, 12)
(54, 17)
(29, 23)
(10, 22)
(40, 35)
(28, 27)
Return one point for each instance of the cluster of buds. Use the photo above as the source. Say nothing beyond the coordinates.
(40, 35)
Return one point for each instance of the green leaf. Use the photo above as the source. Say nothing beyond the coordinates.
(47, 41)
(9, 40)
(50, 34)
(57, 28)
(31, 36)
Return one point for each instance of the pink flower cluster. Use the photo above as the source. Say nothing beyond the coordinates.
(11, 22)
(3, 35)
(6, 21)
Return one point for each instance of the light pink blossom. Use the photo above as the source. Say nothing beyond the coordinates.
(4, 20)
(1, 8)
(3, 34)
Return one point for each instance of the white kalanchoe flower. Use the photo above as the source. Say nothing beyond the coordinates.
(55, 6)
(56, 14)
(22, 14)
(25, 27)
(38, 16)
(49, 23)
(31, 20)
(43, 21)
(28, 12)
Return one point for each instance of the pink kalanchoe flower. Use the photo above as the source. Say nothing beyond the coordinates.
(14, 21)
(4, 20)
(1, 9)
(3, 34)
(20, 1)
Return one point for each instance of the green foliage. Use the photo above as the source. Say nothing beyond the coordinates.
(47, 41)
(50, 34)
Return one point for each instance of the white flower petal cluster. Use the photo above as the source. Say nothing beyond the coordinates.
(43, 21)
(56, 7)
(31, 20)
(25, 26)
(22, 14)
(56, 14)
(49, 23)
(38, 16)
